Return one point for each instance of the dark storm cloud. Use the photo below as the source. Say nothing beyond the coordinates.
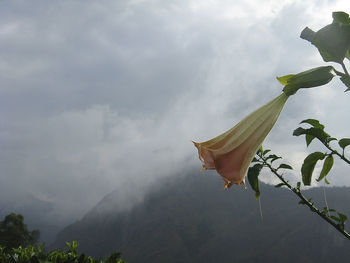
(129, 56)
(102, 95)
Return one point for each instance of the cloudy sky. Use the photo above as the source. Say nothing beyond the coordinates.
(104, 95)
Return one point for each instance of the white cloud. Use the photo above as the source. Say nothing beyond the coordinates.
(98, 96)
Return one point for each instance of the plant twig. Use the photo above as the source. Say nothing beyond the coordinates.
(325, 198)
(341, 156)
(305, 201)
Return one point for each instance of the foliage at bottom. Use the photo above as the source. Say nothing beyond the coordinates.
(32, 254)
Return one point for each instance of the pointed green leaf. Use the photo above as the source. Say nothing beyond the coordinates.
(302, 202)
(324, 210)
(331, 139)
(285, 166)
(273, 157)
(346, 82)
(253, 173)
(342, 217)
(298, 185)
(299, 131)
(254, 160)
(309, 166)
(309, 138)
(279, 185)
(327, 166)
(313, 122)
(316, 132)
(344, 142)
(307, 34)
(332, 41)
(327, 182)
(341, 17)
(284, 79)
(309, 133)
(266, 151)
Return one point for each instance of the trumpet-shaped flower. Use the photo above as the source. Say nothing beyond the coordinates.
(231, 153)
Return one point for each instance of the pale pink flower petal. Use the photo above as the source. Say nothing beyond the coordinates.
(231, 153)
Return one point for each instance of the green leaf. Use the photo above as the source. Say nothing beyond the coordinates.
(344, 142)
(309, 166)
(302, 202)
(313, 122)
(284, 79)
(273, 157)
(266, 151)
(327, 182)
(346, 82)
(298, 185)
(316, 124)
(308, 34)
(324, 210)
(316, 132)
(279, 185)
(327, 166)
(309, 138)
(331, 139)
(341, 17)
(253, 173)
(285, 166)
(342, 217)
(332, 42)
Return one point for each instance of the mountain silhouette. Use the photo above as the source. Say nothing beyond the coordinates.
(192, 219)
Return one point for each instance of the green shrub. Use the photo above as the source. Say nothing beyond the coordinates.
(32, 254)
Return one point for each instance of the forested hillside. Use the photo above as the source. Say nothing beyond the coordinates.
(38, 214)
(190, 219)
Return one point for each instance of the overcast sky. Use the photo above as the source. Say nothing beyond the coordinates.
(104, 95)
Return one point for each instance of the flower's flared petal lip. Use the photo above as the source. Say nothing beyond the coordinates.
(205, 156)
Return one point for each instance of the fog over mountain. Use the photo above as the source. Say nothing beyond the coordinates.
(102, 96)
(38, 214)
(192, 219)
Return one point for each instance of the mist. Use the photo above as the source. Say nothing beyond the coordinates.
(104, 96)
